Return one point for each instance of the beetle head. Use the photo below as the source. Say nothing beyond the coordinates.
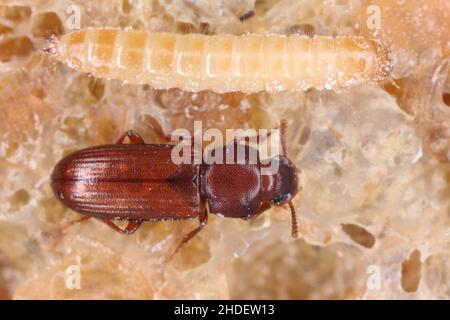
(281, 187)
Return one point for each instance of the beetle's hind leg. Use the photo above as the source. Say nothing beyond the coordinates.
(203, 219)
(62, 229)
(68, 224)
(134, 137)
(132, 226)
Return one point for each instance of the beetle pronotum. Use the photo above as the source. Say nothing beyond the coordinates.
(224, 63)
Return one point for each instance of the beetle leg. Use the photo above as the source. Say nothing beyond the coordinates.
(166, 138)
(259, 138)
(283, 129)
(203, 219)
(155, 126)
(134, 137)
(131, 227)
(246, 140)
(71, 223)
(59, 232)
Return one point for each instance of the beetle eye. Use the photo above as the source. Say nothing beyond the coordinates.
(278, 199)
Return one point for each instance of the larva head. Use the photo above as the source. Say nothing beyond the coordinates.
(50, 45)
(69, 48)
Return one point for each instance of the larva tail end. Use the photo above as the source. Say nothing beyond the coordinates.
(384, 60)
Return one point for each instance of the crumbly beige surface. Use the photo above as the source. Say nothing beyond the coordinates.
(374, 210)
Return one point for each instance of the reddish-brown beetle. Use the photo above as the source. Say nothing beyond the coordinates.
(138, 182)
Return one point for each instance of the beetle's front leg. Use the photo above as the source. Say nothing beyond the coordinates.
(156, 127)
(282, 127)
(132, 226)
(246, 140)
(134, 137)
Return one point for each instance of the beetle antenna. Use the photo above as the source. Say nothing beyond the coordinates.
(294, 231)
(283, 127)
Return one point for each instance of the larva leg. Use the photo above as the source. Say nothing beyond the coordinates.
(247, 15)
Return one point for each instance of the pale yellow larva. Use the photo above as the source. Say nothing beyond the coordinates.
(224, 63)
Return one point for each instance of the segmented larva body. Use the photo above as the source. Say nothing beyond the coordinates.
(224, 63)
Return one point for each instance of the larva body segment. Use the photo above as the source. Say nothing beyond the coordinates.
(224, 63)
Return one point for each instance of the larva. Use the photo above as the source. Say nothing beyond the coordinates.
(224, 63)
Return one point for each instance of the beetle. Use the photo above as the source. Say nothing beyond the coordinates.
(138, 182)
